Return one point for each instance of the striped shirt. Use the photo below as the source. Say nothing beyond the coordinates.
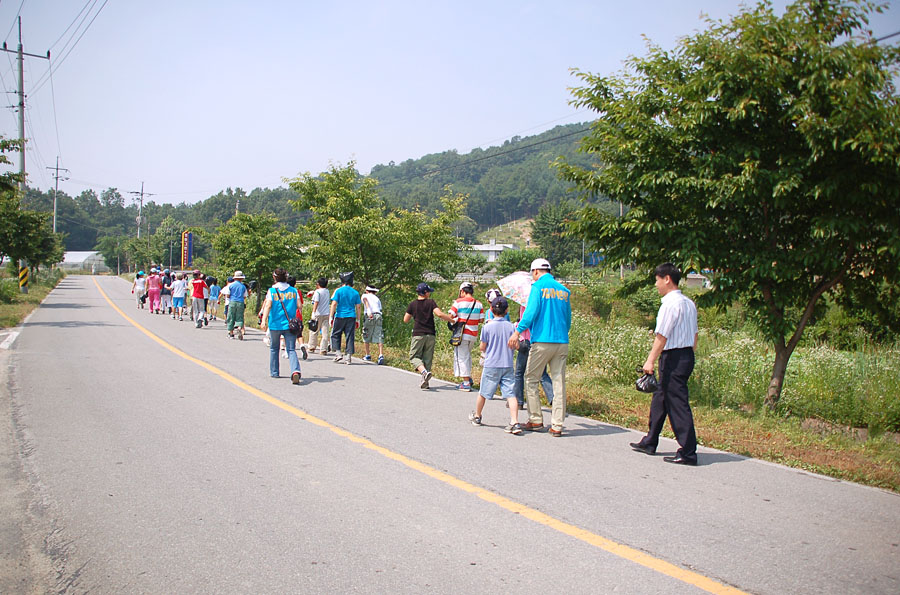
(677, 320)
(468, 307)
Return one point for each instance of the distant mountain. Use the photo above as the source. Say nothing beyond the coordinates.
(504, 183)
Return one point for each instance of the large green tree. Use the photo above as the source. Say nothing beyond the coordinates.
(353, 229)
(767, 149)
(256, 245)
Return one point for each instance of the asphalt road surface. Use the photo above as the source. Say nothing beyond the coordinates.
(141, 455)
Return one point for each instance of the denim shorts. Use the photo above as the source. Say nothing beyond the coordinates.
(178, 302)
(491, 378)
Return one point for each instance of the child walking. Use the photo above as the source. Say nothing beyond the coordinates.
(498, 366)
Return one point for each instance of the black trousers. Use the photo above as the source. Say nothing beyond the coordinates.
(346, 327)
(671, 399)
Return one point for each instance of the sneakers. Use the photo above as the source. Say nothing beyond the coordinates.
(303, 350)
(367, 358)
(475, 419)
(205, 321)
(380, 360)
(426, 376)
(349, 357)
(240, 333)
(465, 385)
(338, 357)
(231, 335)
(295, 377)
(531, 427)
(513, 429)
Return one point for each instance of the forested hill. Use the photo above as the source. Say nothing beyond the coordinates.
(507, 182)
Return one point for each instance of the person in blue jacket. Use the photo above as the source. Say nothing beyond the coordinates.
(548, 315)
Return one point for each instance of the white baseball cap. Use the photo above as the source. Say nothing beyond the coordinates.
(540, 264)
(466, 285)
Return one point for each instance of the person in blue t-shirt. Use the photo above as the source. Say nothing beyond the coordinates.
(548, 315)
(237, 294)
(282, 304)
(346, 307)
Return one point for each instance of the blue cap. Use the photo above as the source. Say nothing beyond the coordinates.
(424, 288)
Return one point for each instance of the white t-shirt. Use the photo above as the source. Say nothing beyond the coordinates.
(179, 288)
(372, 303)
(321, 302)
(140, 285)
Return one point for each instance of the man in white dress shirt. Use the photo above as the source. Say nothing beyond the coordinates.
(674, 345)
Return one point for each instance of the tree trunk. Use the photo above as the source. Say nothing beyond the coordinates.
(773, 394)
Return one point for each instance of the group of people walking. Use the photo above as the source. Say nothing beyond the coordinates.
(517, 359)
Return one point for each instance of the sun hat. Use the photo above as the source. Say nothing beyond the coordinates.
(424, 288)
(492, 294)
(540, 264)
(238, 275)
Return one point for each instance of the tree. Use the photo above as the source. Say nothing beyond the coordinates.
(550, 230)
(511, 261)
(353, 229)
(767, 149)
(256, 245)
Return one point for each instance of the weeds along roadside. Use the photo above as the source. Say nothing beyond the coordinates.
(14, 305)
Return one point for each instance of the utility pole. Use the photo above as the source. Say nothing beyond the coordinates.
(20, 58)
(57, 169)
(138, 219)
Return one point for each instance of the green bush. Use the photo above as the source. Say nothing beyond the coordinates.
(8, 290)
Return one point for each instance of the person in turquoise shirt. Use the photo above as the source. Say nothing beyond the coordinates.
(548, 315)
(345, 311)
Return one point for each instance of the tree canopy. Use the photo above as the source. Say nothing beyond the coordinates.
(353, 229)
(765, 149)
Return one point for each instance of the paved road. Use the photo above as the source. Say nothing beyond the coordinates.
(172, 463)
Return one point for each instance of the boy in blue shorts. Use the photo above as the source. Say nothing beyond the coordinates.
(498, 366)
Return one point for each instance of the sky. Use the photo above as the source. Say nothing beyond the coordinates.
(190, 97)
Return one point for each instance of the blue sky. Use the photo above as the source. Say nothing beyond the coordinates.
(194, 96)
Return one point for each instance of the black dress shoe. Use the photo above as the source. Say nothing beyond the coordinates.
(680, 460)
(647, 450)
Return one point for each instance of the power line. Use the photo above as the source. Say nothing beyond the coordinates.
(15, 18)
(43, 80)
(53, 45)
(896, 33)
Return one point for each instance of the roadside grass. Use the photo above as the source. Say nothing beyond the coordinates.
(15, 306)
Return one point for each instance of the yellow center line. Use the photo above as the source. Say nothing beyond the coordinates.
(607, 545)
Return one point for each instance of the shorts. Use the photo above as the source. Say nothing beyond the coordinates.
(178, 302)
(491, 378)
(372, 329)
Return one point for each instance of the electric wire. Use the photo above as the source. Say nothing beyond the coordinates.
(43, 80)
(15, 18)
(53, 45)
(53, 100)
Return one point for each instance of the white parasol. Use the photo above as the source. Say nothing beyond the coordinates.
(516, 286)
